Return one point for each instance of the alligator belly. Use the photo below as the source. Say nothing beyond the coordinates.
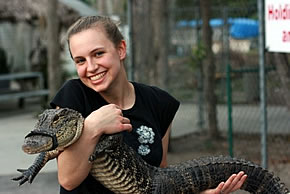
(116, 178)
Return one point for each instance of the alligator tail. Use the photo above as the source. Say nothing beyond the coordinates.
(197, 175)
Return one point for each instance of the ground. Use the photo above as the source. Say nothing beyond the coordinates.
(246, 146)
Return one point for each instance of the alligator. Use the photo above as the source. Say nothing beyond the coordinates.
(119, 168)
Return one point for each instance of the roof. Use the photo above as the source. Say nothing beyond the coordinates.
(30, 10)
(80, 7)
(240, 28)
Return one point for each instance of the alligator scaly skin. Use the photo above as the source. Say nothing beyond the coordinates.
(119, 168)
(123, 171)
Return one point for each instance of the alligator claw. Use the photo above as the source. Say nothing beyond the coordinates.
(27, 176)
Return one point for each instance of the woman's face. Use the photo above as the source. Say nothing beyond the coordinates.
(97, 59)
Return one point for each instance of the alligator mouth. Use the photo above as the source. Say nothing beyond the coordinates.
(39, 141)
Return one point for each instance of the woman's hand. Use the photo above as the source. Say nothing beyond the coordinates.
(108, 119)
(233, 183)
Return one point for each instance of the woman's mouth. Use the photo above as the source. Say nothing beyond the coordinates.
(98, 76)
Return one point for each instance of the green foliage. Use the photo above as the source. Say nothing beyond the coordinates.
(197, 56)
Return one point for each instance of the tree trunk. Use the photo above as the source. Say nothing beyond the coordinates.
(150, 28)
(53, 48)
(142, 40)
(103, 7)
(283, 70)
(209, 70)
(160, 39)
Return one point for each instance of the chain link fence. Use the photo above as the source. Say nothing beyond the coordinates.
(235, 46)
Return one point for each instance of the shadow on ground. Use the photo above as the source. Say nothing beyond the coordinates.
(44, 183)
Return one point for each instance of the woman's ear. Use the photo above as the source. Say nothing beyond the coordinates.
(122, 50)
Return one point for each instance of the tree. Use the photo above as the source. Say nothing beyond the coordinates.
(53, 47)
(142, 40)
(209, 70)
(108, 7)
(283, 69)
(160, 40)
(150, 29)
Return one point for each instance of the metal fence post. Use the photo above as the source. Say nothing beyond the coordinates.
(200, 91)
(131, 68)
(226, 52)
(263, 103)
(229, 105)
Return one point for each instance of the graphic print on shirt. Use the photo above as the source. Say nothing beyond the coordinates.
(146, 137)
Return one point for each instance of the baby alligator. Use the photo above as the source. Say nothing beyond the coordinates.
(120, 169)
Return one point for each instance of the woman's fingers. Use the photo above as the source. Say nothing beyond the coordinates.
(108, 119)
(125, 120)
(234, 182)
(241, 178)
(126, 125)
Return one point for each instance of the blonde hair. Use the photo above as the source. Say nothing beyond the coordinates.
(109, 26)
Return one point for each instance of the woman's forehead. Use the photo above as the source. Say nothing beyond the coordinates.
(88, 40)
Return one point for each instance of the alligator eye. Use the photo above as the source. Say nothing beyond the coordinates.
(56, 117)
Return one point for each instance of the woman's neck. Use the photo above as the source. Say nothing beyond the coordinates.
(121, 94)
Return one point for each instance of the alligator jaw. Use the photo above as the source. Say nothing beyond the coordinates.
(37, 143)
(55, 129)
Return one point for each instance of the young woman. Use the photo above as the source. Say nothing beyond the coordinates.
(111, 104)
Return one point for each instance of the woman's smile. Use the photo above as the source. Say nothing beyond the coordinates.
(98, 76)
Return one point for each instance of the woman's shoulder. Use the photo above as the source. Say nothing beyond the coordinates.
(73, 83)
(149, 89)
(70, 95)
(153, 92)
(75, 86)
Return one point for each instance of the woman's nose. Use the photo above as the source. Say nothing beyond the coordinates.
(92, 65)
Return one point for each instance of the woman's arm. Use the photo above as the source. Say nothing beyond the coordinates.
(73, 164)
(165, 142)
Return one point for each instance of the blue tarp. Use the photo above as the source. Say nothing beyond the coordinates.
(240, 28)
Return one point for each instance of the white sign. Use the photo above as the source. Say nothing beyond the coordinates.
(277, 25)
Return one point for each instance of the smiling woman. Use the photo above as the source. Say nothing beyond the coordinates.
(111, 104)
(98, 61)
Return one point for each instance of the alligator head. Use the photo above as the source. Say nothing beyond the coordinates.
(55, 129)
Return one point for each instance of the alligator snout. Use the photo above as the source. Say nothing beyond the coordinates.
(37, 143)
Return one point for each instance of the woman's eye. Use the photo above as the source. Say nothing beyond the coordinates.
(79, 61)
(100, 53)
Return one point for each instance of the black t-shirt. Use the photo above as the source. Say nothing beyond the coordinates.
(150, 116)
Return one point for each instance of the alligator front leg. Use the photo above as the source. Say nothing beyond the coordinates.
(29, 174)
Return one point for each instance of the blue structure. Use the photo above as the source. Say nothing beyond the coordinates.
(240, 28)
